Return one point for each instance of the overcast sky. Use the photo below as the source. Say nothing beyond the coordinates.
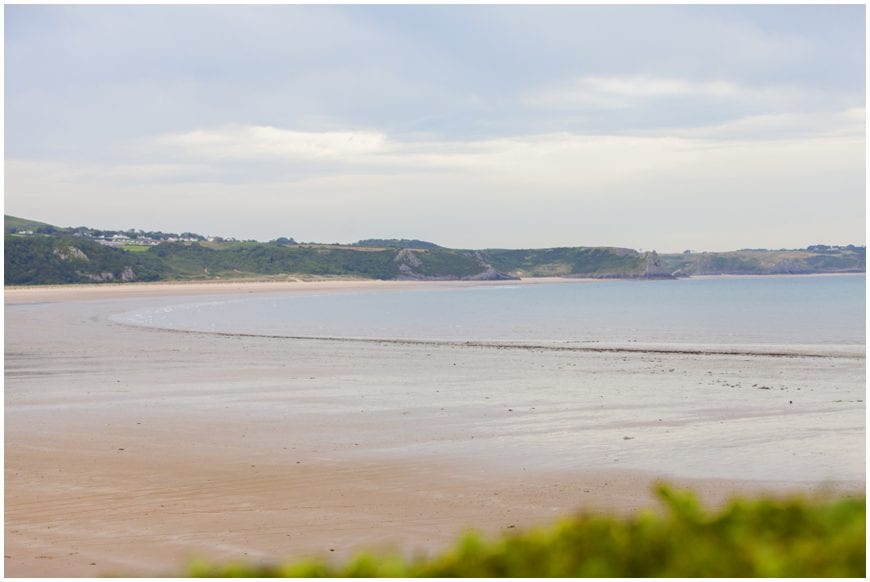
(668, 128)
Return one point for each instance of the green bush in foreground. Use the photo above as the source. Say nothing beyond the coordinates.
(765, 537)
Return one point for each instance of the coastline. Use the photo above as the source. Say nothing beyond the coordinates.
(778, 275)
(27, 293)
(84, 291)
(132, 450)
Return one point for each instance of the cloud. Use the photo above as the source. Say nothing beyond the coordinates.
(623, 92)
(636, 91)
(721, 187)
(108, 173)
(266, 153)
(271, 143)
(845, 123)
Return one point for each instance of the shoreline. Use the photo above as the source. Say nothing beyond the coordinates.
(26, 293)
(13, 293)
(131, 450)
(850, 351)
(776, 275)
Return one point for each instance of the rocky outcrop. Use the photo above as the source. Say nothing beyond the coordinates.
(488, 273)
(620, 276)
(407, 260)
(789, 267)
(125, 276)
(410, 264)
(70, 254)
(653, 268)
(128, 275)
(98, 277)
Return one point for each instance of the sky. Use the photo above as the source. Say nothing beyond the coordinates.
(648, 127)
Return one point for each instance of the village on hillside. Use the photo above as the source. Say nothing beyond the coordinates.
(123, 238)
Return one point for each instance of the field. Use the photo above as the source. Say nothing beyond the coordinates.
(136, 248)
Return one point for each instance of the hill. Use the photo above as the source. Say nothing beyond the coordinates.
(13, 224)
(575, 262)
(823, 259)
(39, 253)
(396, 243)
(53, 259)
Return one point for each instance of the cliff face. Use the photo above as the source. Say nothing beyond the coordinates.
(598, 262)
(445, 265)
(654, 267)
(407, 261)
(488, 273)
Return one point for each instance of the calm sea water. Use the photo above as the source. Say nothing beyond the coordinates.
(763, 310)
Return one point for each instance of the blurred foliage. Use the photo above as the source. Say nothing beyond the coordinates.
(792, 537)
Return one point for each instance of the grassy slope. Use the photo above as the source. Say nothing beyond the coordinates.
(761, 262)
(13, 224)
(764, 537)
(192, 261)
(565, 261)
(397, 243)
(446, 262)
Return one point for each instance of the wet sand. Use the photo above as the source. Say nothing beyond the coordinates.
(132, 450)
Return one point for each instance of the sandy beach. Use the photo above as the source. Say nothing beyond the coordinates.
(131, 451)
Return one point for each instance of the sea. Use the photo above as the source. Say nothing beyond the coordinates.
(763, 310)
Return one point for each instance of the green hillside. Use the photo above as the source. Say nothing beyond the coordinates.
(566, 261)
(198, 261)
(396, 243)
(39, 253)
(850, 259)
(14, 224)
(50, 259)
